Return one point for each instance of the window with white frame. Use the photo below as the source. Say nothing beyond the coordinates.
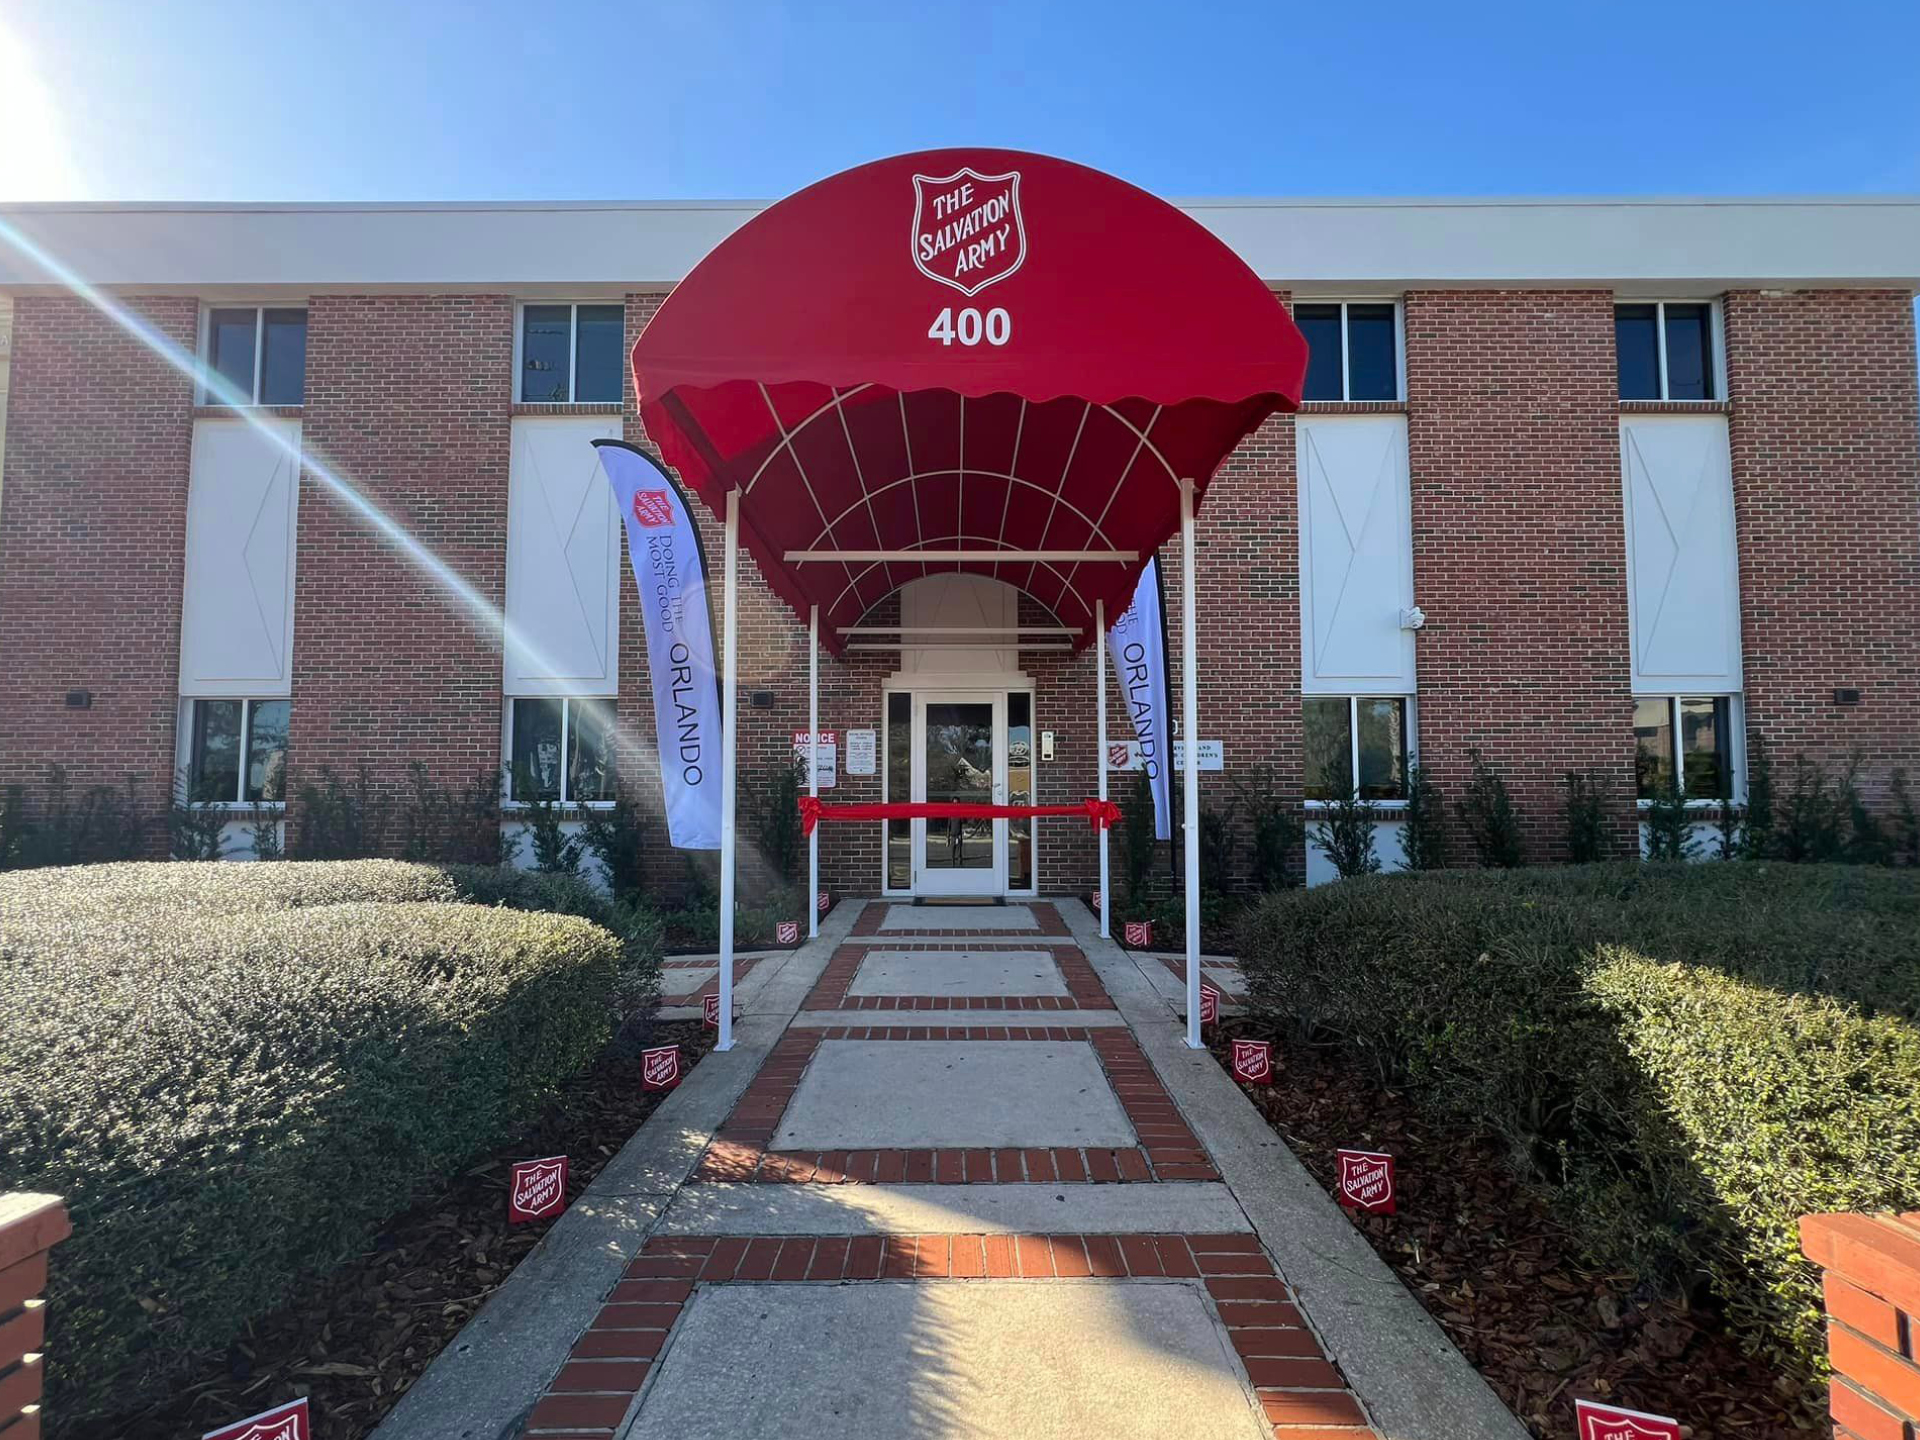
(560, 748)
(236, 751)
(1686, 746)
(1666, 350)
(254, 355)
(570, 354)
(1356, 743)
(1353, 349)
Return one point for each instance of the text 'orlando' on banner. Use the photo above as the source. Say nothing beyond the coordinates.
(668, 566)
(1138, 644)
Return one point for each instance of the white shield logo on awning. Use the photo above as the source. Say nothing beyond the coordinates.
(967, 230)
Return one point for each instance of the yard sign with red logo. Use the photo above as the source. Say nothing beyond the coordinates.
(1610, 1422)
(823, 902)
(537, 1188)
(1139, 932)
(283, 1422)
(1366, 1181)
(660, 1067)
(710, 1010)
(787, 932)
(1253, 1061)
(1209, 1004)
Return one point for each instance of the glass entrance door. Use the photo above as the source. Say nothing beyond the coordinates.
(960, 757)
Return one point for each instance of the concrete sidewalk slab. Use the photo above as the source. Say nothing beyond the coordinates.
(1412, 1379)
(1171, 1207)
(933, 1094)
(958, 972)
(980, 1360)
(958, 917)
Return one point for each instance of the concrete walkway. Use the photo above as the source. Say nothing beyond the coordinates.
(959, 1177)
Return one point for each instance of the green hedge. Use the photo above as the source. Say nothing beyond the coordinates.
(1689, 1057)
(234, 1100)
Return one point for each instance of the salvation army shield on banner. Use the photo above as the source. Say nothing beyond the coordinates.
(670, 571)
(1137, 642)
(284, 1422)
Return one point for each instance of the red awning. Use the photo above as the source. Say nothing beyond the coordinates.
(962, 350)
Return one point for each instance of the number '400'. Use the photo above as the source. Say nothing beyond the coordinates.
(970, 327)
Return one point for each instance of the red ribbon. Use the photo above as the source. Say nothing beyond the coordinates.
(1101, 814)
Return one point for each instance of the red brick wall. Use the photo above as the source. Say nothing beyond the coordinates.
(1826, 484)
(1519, 547)
(30, 1226)
(409, 399)
(93, 526)
(1872, 1286)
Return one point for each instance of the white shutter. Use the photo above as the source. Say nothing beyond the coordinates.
(1356, 555)
(243, 496)
(1683, 594)
(563, 559)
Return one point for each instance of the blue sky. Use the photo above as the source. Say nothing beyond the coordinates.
(292, 100)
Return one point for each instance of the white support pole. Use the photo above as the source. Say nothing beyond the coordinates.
(1100, 709)
(1190, 737)
(729, 731)
(813, 766)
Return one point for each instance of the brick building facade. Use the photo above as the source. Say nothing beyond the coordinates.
(1512, 439)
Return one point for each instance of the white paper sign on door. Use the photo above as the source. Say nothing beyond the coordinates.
(826, 755)
(863, 747)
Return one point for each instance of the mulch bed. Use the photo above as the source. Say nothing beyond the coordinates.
(1492, 1263)
(365, 1333)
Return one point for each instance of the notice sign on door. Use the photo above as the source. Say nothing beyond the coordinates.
(826, 755)
(1125, 755)
(863, 751)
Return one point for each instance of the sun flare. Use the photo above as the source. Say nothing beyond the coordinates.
(35, 163)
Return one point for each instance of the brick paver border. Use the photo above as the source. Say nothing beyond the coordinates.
(1302, 1393)
(1168, 1149)
(1047, 921)
(1178, 969)
(1084, 990)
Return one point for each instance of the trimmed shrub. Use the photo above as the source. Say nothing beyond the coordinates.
(1490, 817)
(233, 1098)
(1690, 1056)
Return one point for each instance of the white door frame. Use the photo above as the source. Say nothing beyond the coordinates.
(942, 881)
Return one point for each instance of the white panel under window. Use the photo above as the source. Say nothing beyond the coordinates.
(974, 609)
(243, 496)
(1356, 555)
(563, 560)
(1683, 568)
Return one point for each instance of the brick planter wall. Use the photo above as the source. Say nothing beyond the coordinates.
(30, 1226)
(1872, 1265)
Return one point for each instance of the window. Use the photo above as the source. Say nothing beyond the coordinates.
(1353, 350)
(1703, 726)
(237, 751)
(1020, 788)
(571, 353)
(1665, 350)
(540, 732)
(256, 356)
(1349, 735)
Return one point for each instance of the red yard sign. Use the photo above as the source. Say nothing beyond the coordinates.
(1253, 1061)
(660, 1067)
(710, 1010)
(537, 1188)
(787, 932)
(1098, 903)
(823, 902)
(1140, 933)
(1366, 1181)
(283, 1422)
(1209, 1004)
(1610, 1422)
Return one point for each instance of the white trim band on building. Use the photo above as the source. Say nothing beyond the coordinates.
(591, 249)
